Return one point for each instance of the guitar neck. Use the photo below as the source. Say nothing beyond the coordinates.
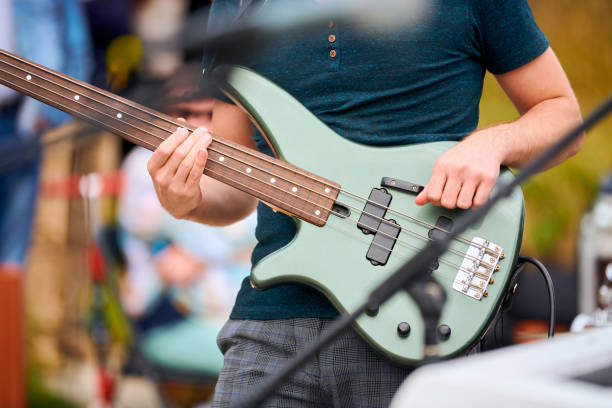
(273, 181)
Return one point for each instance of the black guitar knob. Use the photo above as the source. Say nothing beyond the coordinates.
(372, 310)
(403, 329)
(444, 332)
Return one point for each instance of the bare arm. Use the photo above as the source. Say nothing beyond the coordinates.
(177, 165)
(465, 175)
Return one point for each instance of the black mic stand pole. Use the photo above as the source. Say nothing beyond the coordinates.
(418, 267)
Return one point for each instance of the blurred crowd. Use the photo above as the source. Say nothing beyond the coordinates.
(114, 285)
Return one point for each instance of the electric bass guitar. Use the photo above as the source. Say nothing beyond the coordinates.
(357, 222)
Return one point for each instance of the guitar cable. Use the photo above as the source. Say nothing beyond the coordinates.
(509, 299)
(520, 266)
(549, 285)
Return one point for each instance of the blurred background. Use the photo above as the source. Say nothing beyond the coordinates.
(121, 302)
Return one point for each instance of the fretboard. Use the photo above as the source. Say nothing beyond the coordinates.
(273, 181)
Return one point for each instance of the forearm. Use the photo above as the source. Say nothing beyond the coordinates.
(522, 140)
(221, 204)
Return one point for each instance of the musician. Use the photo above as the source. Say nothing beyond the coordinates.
(419, 83)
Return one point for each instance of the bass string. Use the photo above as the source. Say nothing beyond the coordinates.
(362, 238)
(422, 222)
(223, 165)
(402, 228)
(220, 141)
(160, 138)
(359, 211)
(265, 158)
(166, 131)
(146, 111)
(175, 123)
(151, 146)
(349, 219)
(402, 254)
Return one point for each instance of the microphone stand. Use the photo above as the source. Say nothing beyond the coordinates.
(414, 275)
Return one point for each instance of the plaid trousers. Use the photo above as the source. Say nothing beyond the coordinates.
(347, 373)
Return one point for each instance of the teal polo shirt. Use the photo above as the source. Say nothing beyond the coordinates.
(417, 83)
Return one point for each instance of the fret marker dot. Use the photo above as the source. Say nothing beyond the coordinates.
(119, 116)
(294, 189)
(76, 97)
(248, 170)
(221, 158)
(272, 180)
(28, 77)
(327, 190)
(318, 212)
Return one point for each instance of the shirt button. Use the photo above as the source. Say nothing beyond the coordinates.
(332, 53)
(330, 24)
(331, 38)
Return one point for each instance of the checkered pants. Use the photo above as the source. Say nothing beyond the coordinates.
(347, 373)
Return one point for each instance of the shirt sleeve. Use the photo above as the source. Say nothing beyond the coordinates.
(509, 34)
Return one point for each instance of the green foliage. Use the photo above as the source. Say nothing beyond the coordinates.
(580, 34)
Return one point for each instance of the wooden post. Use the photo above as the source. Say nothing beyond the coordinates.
(12, 364)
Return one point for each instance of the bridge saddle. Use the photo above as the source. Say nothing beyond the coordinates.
(477, 268)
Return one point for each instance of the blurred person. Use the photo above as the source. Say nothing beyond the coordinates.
(52, 33)
(182, 277)
(191, 268)
(421, 89)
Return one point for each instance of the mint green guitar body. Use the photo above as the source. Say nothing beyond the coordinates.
(332, 258)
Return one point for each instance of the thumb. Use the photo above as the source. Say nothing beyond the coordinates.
(421, 199)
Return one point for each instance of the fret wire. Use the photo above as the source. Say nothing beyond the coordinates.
(153, 113)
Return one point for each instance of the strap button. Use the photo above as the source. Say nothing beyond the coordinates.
(444, 332)
(403, 329)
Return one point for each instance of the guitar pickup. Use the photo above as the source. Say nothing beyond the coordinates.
(374, 211)
(383, 242)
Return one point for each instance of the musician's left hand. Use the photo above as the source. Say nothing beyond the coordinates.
(464, 175)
